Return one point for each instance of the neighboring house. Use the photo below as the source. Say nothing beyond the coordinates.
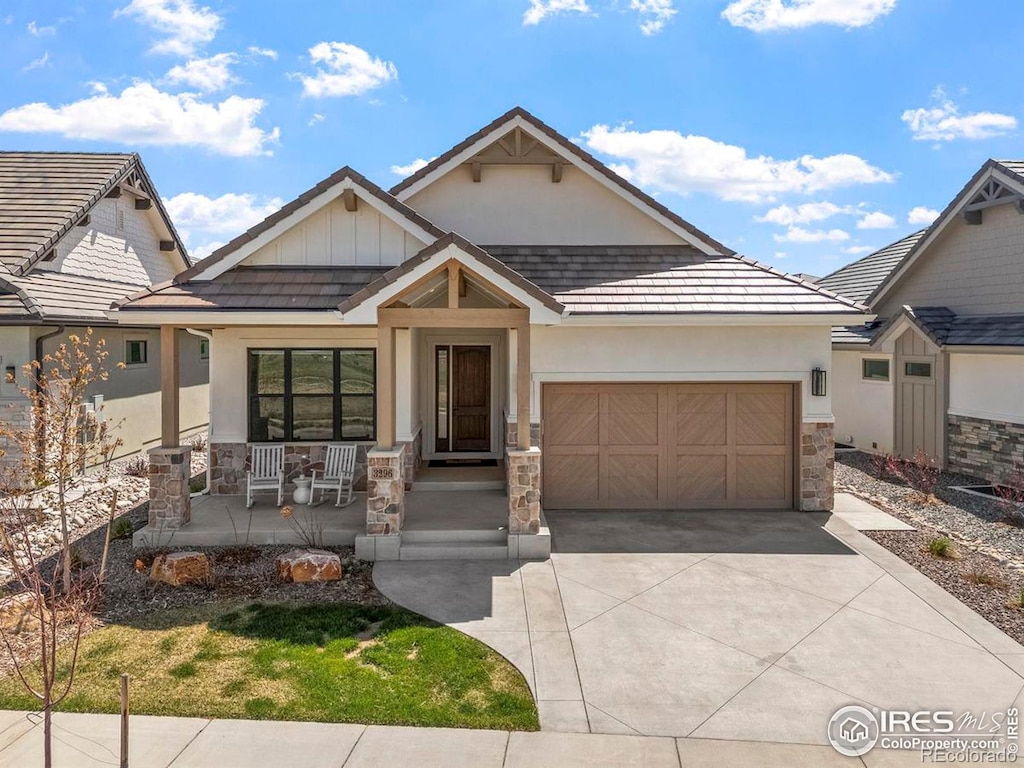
(78, 231)
(612, 353)
(942, 368)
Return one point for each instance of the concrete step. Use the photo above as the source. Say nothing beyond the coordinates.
(471, 536)
(460, 550)
(458, 485)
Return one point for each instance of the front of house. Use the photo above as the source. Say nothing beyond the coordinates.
(515, 301)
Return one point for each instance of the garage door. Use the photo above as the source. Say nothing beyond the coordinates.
(668, 446)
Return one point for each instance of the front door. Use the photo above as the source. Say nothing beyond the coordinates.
(471, 398)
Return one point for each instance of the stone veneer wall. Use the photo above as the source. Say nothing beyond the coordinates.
(512, 434)
(17, 415)
(524, 491)
(817, 467)
(385, 491)
(984, 448)
(170, 504)
(229, 461)
(413, 458)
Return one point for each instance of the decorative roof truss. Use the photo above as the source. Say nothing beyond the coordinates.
(993, 193)
(516, 148)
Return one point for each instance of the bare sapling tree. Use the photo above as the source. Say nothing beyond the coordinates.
(60, 454)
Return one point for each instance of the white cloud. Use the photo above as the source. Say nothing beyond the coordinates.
(876, 220)
(807, 213)
(411, 168)
(142, 114)
(42, 61)
(203, 250)
(921, 215)
(316, 118)
(269, 53)
(208, 75)
(781, 254)
(771, 15)
(540, 9)
(230, 214)
(801, 235)
(943, 122)
(673, 162)
(37, 31)
(347, 70)
(184, 25)
(857, 250)
(654, 14)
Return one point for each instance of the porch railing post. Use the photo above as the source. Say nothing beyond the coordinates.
(169, 383)
(385, 387)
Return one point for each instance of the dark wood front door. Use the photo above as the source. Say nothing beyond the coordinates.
(471, 398)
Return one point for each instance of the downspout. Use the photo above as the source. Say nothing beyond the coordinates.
(38, 384)
(209, 408)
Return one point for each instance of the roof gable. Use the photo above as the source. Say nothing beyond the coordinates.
(547, 145)
(859, 279)
(301, 208)
(43, 195)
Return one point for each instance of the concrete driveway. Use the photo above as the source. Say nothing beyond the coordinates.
(725, 625)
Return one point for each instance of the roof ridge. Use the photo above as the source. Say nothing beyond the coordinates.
(800, 281)
(874, 253)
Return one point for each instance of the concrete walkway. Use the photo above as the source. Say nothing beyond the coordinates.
(91, 741)
(724, 625)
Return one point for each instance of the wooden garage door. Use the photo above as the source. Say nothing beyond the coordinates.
(668, 446)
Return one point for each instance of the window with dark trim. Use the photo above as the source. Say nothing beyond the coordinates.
(875, 370)
(136, 352)
(204, 350)
(918, 370)
(310, 395)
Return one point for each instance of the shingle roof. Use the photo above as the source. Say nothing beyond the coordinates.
(55, 296)
(856, 334)
(264, 289)
(300, 202)
(949, 329)
(44, 194)
(572, 149)
(670, 279)
(859, 279)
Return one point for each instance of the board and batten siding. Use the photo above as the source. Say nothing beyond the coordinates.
(334, 236)
(920, 402)
(120, 243)
(972, 269)
(863, 408)
(520, 205)
(987, 386)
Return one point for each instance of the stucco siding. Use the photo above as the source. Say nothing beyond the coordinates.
(128, 253)
(520, 205)
(863, 408)
(334, 236)
(987, 387)
(970, 269)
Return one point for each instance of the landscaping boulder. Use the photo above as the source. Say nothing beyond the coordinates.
(302, 565)
(180, 568)
(20, 613)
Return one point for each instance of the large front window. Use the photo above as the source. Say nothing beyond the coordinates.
(298, 395)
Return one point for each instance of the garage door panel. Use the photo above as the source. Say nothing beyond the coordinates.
(701, 418)
(761, 418)
(632, 418)
(574, 418)
(701, 478)
(633, 479)
(761, 478)
(571, 480)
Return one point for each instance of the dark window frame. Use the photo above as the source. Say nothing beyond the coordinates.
(204, 357)
(864, 369)
(288, 396)
(907, 365)
(145, 352)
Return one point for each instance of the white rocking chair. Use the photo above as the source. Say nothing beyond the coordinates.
(266, 472)
(338, 473)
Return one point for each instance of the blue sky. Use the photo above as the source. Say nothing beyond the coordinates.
(800, 132)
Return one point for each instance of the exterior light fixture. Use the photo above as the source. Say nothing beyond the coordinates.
(819, 379)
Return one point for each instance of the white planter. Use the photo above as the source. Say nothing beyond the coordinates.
(301, 494)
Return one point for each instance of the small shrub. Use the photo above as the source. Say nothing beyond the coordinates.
(79, 559)
(987, 577)
(198, 444)
(122, 528)
(942, 546)
(136, 466)
(1011, 495)
(880, 465)
(921, 473)
(197, 484)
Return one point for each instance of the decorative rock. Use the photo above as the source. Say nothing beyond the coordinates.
(179, 568)
(304, 565)
(20, 613)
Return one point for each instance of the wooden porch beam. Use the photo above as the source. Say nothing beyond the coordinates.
(169, 387)
(385, 387)
(452, 318)
(453, 284)
(523, 386)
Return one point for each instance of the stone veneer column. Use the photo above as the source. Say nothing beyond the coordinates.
(817, 467)
(385, 491)
(170, 504)
(524, 491)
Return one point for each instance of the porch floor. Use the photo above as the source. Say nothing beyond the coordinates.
(222, 521)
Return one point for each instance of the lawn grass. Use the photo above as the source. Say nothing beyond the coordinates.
(329, 663)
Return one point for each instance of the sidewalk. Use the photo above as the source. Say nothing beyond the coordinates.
(88, 741)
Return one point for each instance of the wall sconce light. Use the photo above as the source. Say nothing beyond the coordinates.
(819, 379)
